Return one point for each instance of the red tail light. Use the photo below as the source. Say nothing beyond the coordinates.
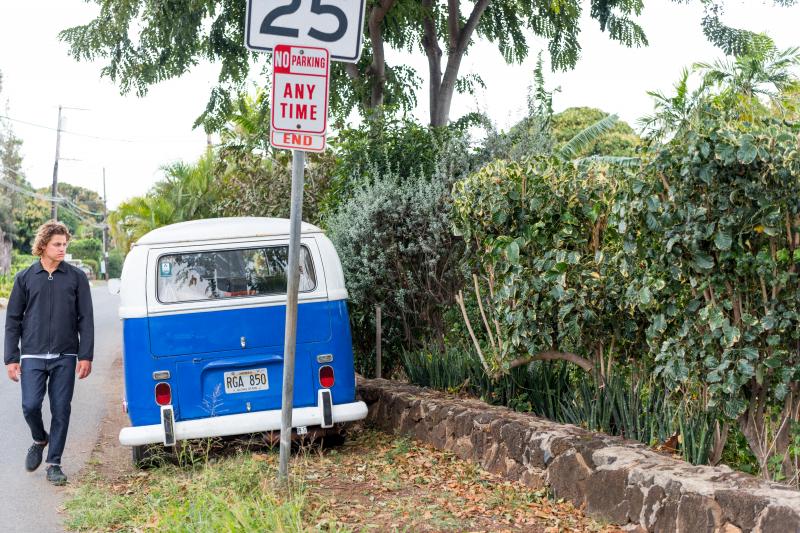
(163, 394)
(326, 376)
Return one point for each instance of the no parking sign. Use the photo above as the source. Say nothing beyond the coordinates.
(300, 86)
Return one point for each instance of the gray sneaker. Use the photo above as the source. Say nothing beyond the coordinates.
(56, 476)
(34, 456)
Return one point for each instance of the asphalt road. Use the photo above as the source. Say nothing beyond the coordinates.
(30, 503)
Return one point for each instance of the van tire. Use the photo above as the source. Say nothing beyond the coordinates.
(144, 456)
(334, 439)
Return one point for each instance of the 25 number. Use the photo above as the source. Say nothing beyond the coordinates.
(268, 27)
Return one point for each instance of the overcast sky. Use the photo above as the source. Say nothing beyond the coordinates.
(133, 137)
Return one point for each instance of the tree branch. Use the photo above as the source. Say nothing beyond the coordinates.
(460, 301)
(552, 355)
(454, 56)
(472, 22)
(664, 182)
(453, 14)
(483, 314)
(378, 67)
(351, 69)
(431, 45)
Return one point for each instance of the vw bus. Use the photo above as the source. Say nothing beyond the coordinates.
(203, 306)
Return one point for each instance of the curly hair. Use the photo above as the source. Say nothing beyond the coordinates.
(46, 232)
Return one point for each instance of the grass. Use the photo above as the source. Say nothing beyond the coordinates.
(236, 493)
(374, 482)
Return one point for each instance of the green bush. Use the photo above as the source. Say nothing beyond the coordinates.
(94, 265)
(716, 222)
(394, 240)
(544, 249)
(6, 284)
(86, 248)
(115, 260)
(21, 261)
(390, 146)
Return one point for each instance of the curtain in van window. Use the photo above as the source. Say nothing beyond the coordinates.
(217, 274)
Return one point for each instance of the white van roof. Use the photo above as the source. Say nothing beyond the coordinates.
(213, 232)
(211, 229)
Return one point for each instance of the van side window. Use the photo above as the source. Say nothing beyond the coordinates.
(212, 275)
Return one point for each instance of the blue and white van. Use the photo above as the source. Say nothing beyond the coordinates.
(203, 305)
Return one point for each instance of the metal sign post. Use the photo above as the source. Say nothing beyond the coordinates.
(303, 36)
(293, 285)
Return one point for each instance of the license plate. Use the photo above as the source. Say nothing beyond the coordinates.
(246, 380)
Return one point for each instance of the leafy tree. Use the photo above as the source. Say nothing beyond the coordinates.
(147, 41)
(504, 22)
(135, 217)
(81, 210)
(190, 187)
(531, 136)
(187, 192)
(255, 180)
(672, 113)
(716, 222)
(86, 248)
(620, 140)
(761, 76)
(732, 41)
(10, 173)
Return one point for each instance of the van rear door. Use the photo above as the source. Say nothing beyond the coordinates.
(219, 313)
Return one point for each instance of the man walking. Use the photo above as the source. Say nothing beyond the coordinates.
(49, 324)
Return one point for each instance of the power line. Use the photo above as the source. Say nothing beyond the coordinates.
(89, 221)
(67, 203)
(32, 194)
(97, 137)
(76, 206)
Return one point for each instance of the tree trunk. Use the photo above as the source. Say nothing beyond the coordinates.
(377, 70)
(442, 85)
(434, 53)
(754, 426)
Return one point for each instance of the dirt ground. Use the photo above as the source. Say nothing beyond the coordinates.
(379, 482)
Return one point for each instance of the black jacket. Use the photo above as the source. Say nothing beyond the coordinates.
(50, 316)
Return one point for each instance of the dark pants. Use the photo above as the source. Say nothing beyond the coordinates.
(57, 376)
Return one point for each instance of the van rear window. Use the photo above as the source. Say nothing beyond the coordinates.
(213, 275)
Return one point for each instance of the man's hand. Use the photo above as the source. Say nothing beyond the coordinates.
(13, 371)
(84, 369)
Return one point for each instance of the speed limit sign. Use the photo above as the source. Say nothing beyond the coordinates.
(331, 24)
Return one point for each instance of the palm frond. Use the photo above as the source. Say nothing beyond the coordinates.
(616, 161)
(584, 138)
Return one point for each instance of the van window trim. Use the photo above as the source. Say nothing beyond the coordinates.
(273, 294)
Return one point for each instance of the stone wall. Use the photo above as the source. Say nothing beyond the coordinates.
(615, 479)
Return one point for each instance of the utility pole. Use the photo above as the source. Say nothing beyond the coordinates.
(105, 228)
(54, 205)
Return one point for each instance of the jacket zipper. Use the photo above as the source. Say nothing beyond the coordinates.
(50, 322)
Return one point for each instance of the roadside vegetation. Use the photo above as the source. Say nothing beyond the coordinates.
(641, 285)
(374, 482)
